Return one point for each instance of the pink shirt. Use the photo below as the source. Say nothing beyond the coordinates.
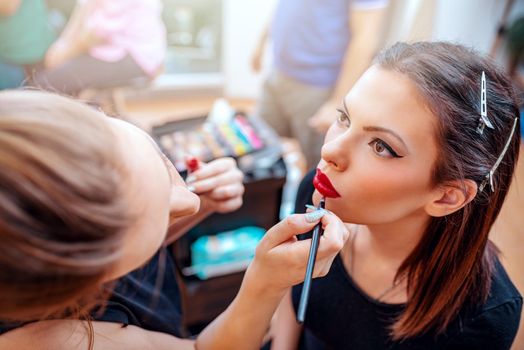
(131, 27)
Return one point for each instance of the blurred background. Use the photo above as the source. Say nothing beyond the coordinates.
(210, 41)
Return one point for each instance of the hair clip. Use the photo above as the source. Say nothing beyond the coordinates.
(483, 121)
(489, 175)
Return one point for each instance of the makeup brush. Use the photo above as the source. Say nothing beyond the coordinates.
(304, 297)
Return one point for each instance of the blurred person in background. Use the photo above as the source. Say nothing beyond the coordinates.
(320, 49)
(25, 36)
(106, 43)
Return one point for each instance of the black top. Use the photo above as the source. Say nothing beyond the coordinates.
(139, 299)
(341, 316)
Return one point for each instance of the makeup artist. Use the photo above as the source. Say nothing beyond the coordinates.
(85, 204)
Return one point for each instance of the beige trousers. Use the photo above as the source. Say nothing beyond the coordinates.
(286, 104)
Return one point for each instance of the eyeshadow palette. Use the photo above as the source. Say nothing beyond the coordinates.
(207, 141)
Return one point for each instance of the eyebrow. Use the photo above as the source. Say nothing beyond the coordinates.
(150, 139)
(378, 128)
(388, 131)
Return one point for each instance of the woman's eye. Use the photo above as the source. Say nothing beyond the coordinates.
(379, 147)
(343, 119)
(383, 149)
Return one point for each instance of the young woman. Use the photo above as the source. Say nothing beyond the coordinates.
(420, 172)
(85, 204)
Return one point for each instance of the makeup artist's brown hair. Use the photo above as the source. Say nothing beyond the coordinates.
(62, 208)
(451, 267)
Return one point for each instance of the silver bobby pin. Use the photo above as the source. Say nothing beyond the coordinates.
(483, 121)
(489, 175)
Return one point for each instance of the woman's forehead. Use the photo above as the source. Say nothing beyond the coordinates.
(388, 99)
(140, 154)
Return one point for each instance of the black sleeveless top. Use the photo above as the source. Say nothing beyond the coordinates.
(148, 297)
(341, 316)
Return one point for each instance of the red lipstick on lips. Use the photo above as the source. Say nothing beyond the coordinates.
(324, 186)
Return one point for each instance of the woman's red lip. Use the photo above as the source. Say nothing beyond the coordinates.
(324, 186)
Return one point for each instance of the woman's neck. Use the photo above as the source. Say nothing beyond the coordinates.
(374, 254)
(393, 242)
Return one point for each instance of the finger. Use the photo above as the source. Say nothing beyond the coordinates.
(227, 192)
(214, 168)
(322, 266)
(334, 237)
(330, 245)
(222, 179)
(229, 206)
(296, 253)
(291, 226)
(334, 228)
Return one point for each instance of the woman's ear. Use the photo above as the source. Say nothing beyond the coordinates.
(451, 197)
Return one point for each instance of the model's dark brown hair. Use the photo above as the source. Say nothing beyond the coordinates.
(452, 265)
(62, 208)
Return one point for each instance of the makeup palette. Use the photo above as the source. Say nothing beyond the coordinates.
(207, 141)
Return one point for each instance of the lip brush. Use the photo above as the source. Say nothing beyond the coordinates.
(304, 297)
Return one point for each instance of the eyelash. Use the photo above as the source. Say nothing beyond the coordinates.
(377, 141)
(343, 119)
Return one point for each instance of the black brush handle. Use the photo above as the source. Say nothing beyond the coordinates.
(304, 297)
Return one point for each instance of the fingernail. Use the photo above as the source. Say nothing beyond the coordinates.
(191, 188)
(312, 207)
(190, 178)
(314, 216)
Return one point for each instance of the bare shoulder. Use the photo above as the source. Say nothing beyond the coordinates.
(73, 334)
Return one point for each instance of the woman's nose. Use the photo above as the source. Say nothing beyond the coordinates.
(336, 153)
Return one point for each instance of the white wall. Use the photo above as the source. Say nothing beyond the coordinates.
(474, 23)
(409, 20)
(243, 23)
(471, 22)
